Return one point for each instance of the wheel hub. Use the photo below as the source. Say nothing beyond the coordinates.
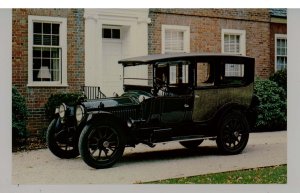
(236, 133)
(105, 144)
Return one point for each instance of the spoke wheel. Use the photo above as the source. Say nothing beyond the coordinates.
(101, 146)
(233, 133)
(191, 144)
(62, 141)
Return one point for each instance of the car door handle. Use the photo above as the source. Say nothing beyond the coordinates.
(186, 106)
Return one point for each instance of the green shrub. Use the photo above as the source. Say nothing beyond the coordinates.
(56, 99)
(280, 77)
(272, 111)
(19, 116)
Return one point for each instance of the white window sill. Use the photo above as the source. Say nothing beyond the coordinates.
(46, 85)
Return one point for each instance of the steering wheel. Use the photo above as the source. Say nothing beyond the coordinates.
(160, 85)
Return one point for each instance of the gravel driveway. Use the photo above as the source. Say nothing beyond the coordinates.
(143, 164)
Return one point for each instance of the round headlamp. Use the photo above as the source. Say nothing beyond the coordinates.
(79, 112)
(62, 110)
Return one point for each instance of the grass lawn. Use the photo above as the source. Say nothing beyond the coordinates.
(266, 175)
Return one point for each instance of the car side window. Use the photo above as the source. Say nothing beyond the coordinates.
(204, 74)
(179, 72)
(232, 74)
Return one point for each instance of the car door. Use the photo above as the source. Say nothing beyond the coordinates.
(173, 109)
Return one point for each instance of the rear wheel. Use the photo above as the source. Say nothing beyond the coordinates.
(101, 145)
(191, 144)
(61, 140)
(233, 133)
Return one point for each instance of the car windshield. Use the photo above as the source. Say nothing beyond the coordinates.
(137, 75)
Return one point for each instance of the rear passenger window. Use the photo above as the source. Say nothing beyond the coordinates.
(234, 70)
(204, 74)
(232, 74)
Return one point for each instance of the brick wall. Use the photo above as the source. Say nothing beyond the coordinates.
(36, 97)
(205, 31)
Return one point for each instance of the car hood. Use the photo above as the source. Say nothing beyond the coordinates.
(127, 99)
(108, 102)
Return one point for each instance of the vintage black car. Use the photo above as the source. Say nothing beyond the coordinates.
(188, 98)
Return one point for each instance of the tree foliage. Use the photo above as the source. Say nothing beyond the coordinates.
(272, 111)
(19, 116)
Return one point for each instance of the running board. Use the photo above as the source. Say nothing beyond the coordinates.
(192, 138)
(187, 138)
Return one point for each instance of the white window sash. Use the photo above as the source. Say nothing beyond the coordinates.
(277, 55)
(62, 82)
(242, 40)
(168, 40)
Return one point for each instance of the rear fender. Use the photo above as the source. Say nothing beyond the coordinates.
(225, 110)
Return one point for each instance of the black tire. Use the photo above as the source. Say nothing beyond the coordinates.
(191, 144)
(233, 133)
(61, 141)
(101, 145)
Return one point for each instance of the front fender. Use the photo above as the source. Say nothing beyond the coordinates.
(105, 117)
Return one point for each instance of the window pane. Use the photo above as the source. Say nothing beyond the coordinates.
(106, 33)
(172, 74)
(47, 40)
(46, 28)
(46, 53)
(237, 38)
(37, 52)
(55, 40)
(278, 51)
(35, 75)
(54, 52)
(55, 64)
(55, 75)
(55, 28)
(37, 39)
(185, 73)
(283, 51)
(36, 64)
(55, 69)
(37, 27)
(46, 62)
(116, 33)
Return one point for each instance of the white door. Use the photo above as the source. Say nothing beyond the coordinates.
(113, 80)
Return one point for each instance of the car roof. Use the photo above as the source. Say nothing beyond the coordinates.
(148, 59)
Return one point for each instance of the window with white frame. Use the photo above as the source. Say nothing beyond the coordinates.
(234, 70)
(234, 42)
(47, 51)
(280, 51)
(111, 32)
(175, 38)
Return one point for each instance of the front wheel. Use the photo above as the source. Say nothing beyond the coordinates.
(101, 145)
(61, 140)
(233, 133)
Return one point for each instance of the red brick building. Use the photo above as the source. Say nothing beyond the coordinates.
(239, 31)
(60, 50)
